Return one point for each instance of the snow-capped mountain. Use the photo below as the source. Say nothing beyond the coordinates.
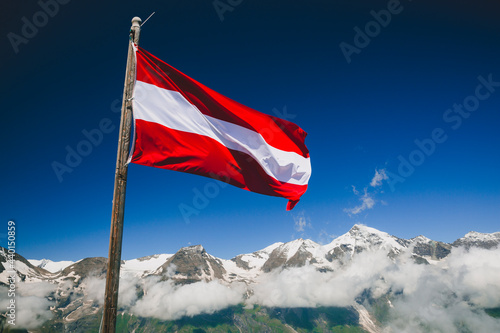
(143, 266)
(51, 266)
(477, 239)
(193, 263)
(73, 280)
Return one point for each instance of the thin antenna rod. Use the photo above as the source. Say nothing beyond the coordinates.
(148, 18)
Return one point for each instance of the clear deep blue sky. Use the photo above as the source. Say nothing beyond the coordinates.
(361, 117)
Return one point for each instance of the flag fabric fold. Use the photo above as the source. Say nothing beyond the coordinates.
(185, 126)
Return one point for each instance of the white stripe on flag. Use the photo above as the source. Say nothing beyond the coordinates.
(170, 109)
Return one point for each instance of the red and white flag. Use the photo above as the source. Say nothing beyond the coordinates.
(182, 125)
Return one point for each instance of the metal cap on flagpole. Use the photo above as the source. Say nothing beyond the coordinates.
(135, 29)
(136, 22)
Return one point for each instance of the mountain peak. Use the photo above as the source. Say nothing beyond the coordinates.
(361, 237)
(193, 249)
(478, 239)
(360, 231)
(357, 228)
(270, 248)
(51, 266)
(481, 236)
(293, 246)
(421, 238)
(191, 264)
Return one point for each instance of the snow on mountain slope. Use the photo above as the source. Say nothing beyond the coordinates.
(364, 237)
(51, 266)
(479, 236)
(255, 260)
(193, 275)
(296, 253)
(143, 266)
(427, 249)
(193, 263)
(474, 238)
(246, 267)
(301, 252)
(24, 270)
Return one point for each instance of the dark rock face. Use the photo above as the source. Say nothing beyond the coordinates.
(419, 260)
(340, 253)
(240, 262)
(300, 258)
(280, 257)
(96, 267)
(276, 259)
(194, 264)
(435, 250)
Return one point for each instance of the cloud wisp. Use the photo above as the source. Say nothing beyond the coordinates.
(367, 199)
(301, 222)
(378, 178)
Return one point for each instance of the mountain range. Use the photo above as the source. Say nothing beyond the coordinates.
(72, 289)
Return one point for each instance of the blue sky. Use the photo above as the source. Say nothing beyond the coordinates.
(363, 110)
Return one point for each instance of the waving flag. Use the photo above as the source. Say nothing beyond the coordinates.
(182, 125)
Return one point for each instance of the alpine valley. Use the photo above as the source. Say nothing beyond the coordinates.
(363, 281)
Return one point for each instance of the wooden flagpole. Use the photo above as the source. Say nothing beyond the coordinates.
(115, 240)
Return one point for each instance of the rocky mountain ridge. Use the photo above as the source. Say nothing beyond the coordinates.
(194, 264)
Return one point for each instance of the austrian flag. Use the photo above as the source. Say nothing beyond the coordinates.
(182, 125)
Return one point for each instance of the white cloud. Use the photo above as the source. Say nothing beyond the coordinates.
(307, 287)
(94, 289)
(301, 222)
(354, 190)
(437, 297)
(166, 301)
(368, 198)
(37, 289)
(127, 291)
(378, 178)
(32, 311)
(31, 304)
(324, 237)
(477, 273)
(367, 202)
(425, 298)
(448, 294)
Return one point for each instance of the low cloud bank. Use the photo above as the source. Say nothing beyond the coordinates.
(166, 301)
(32, 305)
(447, 296)
(308, 287)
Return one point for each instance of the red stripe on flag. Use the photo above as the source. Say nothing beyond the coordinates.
(161, 147)
(279, 133)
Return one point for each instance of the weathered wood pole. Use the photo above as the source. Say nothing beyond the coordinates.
(115, 239)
